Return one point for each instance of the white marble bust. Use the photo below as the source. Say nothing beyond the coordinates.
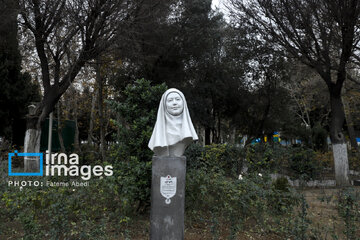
(173, 130)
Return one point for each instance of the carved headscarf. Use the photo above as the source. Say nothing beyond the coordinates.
(170, 129)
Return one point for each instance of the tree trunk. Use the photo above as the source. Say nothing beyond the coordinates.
(213, 133)
(34, 120)
(101, 110)
(207, 135)
(219, 129)
(92, 116)
(76, 136)
(32, 145)
(59, 128)
(341, 163)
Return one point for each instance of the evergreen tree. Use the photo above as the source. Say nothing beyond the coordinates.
(17, 90)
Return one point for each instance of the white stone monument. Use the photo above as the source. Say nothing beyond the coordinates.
(172, 133)
(173, 130)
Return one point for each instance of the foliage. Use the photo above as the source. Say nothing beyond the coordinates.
(136, 113)
(300, 224)
(281, 184)
(267, 157)
(280, 198)
(134, 182)
(136, 118)
(212, 197)
(65, 208)
(354, 160)
(261, 157)
(215, 195)
(66, 36)
(326, 160)
(17, 89)
(72, 212)
(298, 162)
(228, 160)
(303, 163)
(283, 24)
(222, 158)
(319, 137)
(349, 210)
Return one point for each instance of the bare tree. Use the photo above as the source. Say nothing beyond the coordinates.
(66, 35)
(301, 86)
(320, 33)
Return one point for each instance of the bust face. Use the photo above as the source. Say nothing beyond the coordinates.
(174, 104)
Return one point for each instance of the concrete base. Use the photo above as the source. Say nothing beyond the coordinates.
(167, 216)
(32, 145)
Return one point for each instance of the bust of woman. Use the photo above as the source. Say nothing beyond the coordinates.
(173, 130)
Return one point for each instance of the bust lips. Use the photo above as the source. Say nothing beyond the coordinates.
(175, 111)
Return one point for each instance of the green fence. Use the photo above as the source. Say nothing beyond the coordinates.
(67, 133)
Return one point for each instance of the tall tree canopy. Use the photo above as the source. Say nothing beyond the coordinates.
(67, 35)
(322, 34)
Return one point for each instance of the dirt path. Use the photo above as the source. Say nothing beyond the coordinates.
(323, 212)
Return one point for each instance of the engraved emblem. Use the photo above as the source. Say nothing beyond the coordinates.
(168, 187)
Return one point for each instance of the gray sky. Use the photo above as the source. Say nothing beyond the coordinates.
(220, 4)
(216, 3)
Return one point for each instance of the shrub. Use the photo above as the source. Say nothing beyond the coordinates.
(260, 157)
(281, 196)
(70, 212)
(282, 184)
(224, 158)
(131, 156)
(212, 197)
(267, 157)
(326, 160)
(137, 115)
(303, 163)
(349, 210)
(133, 179)
(354, 160)
(194, 155)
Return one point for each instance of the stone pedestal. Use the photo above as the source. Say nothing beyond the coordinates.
(167, 203)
